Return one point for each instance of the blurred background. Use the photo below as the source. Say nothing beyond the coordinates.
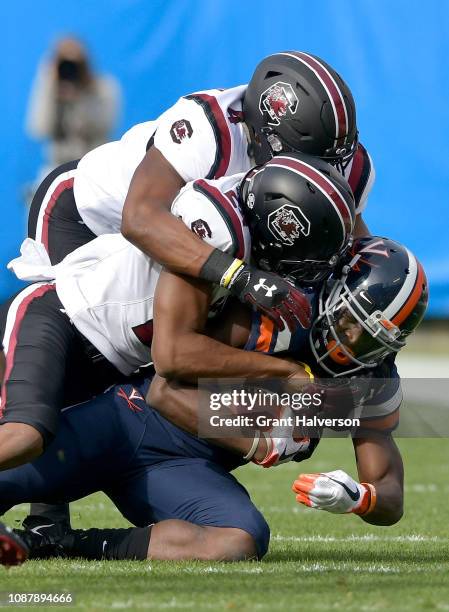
(139, 56)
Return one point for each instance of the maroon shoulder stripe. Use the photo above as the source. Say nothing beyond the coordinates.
(227, 212)
(359, 173)
(336, 97)
(313, 175)
(356, 168)
(62, 186)
(20, 314)
(221, 132)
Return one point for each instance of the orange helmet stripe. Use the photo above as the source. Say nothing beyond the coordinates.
(413, 298)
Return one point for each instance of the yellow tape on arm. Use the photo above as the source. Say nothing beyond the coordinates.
(230, 272)
(307, 370)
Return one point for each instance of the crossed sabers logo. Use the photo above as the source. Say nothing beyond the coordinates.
(268, 290)
(134, 395)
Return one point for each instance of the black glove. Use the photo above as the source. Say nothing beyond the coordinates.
(273, 296)
(268, 292)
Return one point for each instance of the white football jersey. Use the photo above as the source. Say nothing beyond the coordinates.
(202, 136)
(107, 286)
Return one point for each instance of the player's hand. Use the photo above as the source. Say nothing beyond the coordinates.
(282, 450)
(339, 397)
(273, 296)
(334, 492)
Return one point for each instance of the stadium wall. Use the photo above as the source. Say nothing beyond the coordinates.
(393, 55)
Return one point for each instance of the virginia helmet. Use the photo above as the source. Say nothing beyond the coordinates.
(367, 311)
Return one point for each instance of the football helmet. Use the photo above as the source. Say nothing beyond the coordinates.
(368, 311)
(301, 213)
(296, 102)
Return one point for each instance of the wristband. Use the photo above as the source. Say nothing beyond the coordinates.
(231, 273)
(369, 501)
(267, 460)
(220, 268)
(252, 451)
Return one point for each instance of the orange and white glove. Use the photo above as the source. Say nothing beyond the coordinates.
(335, 492)
(282, 450)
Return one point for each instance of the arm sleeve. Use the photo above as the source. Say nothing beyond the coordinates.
(186, 138)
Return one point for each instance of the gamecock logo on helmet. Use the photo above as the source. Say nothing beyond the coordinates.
(277, 101)
(287, 223)
(201, 229)
(180, 130)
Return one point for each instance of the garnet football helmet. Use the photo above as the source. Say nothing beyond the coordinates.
(369, 310)
(301, 214)
(297, 102)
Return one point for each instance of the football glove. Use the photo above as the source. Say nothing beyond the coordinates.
(272, 296)
(282, 443)
(282, 450)
(335, 492)
(268, 292)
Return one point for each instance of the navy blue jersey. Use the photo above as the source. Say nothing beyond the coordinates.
(382, 394)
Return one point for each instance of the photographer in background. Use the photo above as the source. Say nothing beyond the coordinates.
(70, 105)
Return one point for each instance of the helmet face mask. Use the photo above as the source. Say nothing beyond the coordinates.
(353, 332)
(344, 353)
(339, 156)
(305, 271)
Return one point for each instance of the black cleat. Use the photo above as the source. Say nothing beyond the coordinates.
(43, 537)
(13, 550)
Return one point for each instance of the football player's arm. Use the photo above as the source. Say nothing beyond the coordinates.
(181, 349)
(379, 463)
(179, 403)
(148, 223)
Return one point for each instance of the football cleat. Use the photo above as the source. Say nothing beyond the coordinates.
(43, 537)
(13, 550)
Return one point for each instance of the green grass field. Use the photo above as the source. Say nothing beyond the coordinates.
(316, 562)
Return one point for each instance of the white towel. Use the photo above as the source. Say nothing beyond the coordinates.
(34, 263)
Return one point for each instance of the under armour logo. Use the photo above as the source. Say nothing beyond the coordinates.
(261, 285)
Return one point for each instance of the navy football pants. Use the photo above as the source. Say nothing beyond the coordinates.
(148, 467)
